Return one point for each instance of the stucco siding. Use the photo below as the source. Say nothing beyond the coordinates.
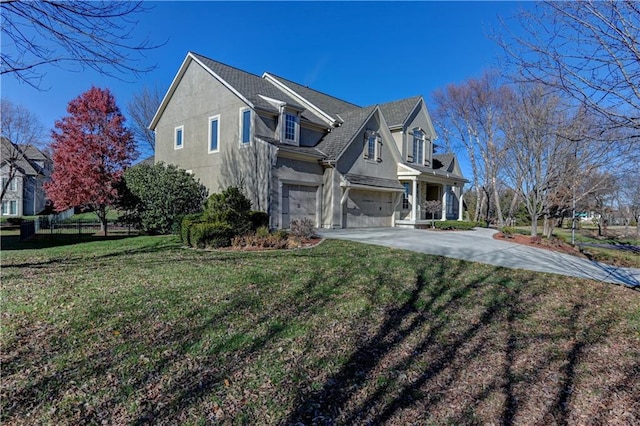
(353, 161)
(198, 97)
(418, 119)
(309, 137)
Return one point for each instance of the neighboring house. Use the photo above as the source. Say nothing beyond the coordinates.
(24, 170)
(301, 153)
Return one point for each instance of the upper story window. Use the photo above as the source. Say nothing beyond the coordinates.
(245, 126)
(214, 133)
(13, 184)
(290, 123)
(372, 146)
(178, 140)
(418, 146)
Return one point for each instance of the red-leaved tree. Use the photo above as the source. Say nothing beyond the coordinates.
(91, 149)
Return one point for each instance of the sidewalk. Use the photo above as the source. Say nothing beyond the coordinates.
(480, 246)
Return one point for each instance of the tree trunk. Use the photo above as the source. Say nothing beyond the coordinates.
(534, 225)
(496, 200)
(488, 199)
(476, 215)
(599, 223)
(101, 212)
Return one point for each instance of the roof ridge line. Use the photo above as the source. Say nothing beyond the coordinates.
(315, 90)
(226, 65)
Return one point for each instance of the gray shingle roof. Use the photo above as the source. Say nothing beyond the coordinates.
(10, 152)
(395, 113)
(252, 86)
(445, 162)
(327, 103)
(333, 143)
(443, 165)
(373, 181)
(33, 153)
(149, 161)
(291, 148)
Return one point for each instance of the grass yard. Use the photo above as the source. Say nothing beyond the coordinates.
(141, 331)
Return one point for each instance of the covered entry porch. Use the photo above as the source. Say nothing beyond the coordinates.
(419, 190)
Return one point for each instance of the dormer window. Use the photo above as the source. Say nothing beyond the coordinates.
(290, 128)
(290, 124)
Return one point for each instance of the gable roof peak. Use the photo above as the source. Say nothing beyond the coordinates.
(397, 112)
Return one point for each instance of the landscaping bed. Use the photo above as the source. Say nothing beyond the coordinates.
(143, 331)
(612, 255)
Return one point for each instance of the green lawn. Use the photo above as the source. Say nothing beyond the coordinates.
(142, 331)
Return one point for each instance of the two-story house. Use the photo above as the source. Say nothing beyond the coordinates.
(301, 153)
(24, 170)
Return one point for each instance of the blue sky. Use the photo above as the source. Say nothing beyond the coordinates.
(363, 52)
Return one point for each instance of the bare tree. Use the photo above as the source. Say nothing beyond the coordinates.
(19, 127)
(471, 113)
(70, 35)
(141, 109)
(589, 50)
(600, 190)
(552, 158)
(629, 185)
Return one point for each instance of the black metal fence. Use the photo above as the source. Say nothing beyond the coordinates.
(46, 226)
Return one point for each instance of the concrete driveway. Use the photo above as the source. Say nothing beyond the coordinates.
(480, 246)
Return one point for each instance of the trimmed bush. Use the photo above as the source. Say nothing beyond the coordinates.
(455, 225)
(232, 207)
(210, 234)
(185, 227)
(154, 198)
(258, 219)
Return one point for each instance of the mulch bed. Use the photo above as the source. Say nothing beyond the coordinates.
(553, 244)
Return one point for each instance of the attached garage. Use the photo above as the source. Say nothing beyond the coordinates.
(368, 209)
(298, 202)
(369, 202)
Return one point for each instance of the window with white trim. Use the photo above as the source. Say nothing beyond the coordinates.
(13, 184)
(214, 133)
(10, 208)
(405, 196)
(290, 124)
(245, 126)
(178, 139)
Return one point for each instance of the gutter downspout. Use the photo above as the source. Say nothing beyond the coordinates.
(343, 202)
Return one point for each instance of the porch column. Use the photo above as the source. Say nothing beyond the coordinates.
(444, 203)
(460, 202)
(414, 204)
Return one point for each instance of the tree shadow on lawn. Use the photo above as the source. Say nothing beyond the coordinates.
(341, 399)
(409, 365)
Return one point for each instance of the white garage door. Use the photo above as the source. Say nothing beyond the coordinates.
(298, 201)
(369, 209)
